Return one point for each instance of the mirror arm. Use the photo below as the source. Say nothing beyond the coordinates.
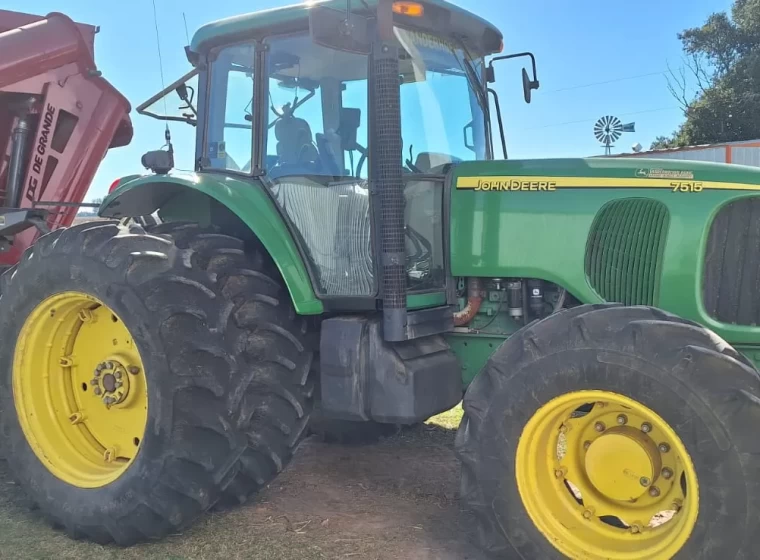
(519, 55)
(498, 118)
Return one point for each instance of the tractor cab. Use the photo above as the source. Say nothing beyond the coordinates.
(351, 115)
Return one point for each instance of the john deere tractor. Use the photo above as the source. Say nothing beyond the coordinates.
(348, 237)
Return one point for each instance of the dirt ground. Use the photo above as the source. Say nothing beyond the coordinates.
(396, 500)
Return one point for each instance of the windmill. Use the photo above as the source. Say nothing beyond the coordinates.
(608, 129)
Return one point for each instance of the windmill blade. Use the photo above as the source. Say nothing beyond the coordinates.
(599, 129)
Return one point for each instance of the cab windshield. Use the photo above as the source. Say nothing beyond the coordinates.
(442, 115)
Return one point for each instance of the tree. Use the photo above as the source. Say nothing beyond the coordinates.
(663, 142)
(719, 86)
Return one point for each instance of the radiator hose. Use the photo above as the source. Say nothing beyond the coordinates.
(474, 299)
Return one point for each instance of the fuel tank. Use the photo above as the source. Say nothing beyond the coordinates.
(680, 235)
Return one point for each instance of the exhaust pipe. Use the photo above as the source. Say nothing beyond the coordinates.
(387, 175)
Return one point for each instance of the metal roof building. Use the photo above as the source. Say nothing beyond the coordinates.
(741, 153)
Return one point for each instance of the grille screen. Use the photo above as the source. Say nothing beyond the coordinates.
(624, 250)
(334, 225)
(731, 280)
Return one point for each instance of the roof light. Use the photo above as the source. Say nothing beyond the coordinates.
(501, 46)
(114, 185)
(411, 9)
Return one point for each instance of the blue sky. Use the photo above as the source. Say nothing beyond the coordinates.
(576, 43)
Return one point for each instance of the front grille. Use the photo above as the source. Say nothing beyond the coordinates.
(624, 250)
(731, 275)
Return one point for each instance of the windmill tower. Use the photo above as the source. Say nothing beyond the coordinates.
(609, 129)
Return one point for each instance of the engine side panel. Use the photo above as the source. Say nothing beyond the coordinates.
(535, 219)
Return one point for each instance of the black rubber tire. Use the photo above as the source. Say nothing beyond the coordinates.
(701, 386)
(227, 363)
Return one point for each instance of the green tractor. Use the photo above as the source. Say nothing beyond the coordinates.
(347, 237)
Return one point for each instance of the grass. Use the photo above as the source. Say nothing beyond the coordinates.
(449, 419)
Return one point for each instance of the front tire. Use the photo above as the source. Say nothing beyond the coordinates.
(225, 365)
(585, 423)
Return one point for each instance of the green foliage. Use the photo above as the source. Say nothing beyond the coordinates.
(724, 58)
(664, 142)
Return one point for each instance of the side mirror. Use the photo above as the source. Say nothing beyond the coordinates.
(528, 85)
(339, 30)
(182, 92)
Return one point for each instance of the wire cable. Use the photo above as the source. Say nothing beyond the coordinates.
(605, 82)
(594, 120)
(160, 61)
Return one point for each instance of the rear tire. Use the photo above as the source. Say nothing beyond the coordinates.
(227, 364)
(700, 387)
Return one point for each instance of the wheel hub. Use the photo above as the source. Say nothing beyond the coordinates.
(622, 463)
(604, 476)
(80, 389)
(111, 382)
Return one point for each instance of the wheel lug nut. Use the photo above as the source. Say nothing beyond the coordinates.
(664, 447)
(118, 384)
(644, 481)
(587, 514)
(599, 426)
(117, 374)
(622, 419)
(635, 529)
(98, 391)
(667, 473)
(560, 473)
(109, 365)
(586, 444)
(100, 367)
(654, 491)
(646, 427)
(94, 382)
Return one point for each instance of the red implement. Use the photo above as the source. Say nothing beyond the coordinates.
(58, 118)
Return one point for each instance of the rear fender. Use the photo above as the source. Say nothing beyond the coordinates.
(182, 196)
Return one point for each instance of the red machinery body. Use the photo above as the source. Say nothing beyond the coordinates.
(48, 79)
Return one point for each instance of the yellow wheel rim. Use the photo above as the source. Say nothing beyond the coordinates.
(80, 390)
(603, 476)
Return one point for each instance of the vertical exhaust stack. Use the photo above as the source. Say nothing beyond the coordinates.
(387, 182)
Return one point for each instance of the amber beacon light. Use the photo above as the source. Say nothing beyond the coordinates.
(412, 9)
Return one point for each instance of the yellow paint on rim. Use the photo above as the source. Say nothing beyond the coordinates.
(80, 390)
(617, 462)
(603, 476)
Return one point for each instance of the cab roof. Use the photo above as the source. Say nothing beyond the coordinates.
(290, 18)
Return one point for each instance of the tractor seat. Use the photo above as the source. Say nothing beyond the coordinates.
(295, 144)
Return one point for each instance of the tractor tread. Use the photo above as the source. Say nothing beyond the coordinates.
(669, 355)
(234, 405)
